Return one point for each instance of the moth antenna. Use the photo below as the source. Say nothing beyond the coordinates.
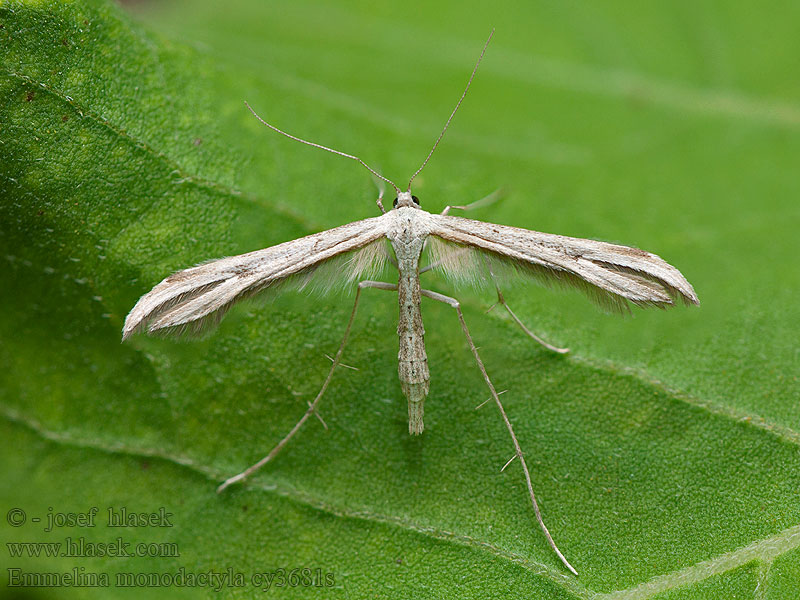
(452, 114)
(321, 147)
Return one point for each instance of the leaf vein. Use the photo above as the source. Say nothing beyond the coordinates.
(787, 434)
(555, 574)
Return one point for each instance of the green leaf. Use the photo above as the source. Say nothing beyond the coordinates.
(663, 449)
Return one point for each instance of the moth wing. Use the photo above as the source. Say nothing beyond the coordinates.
(611, 274)
(190, 300)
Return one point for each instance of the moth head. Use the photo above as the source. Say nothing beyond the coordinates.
(405, 199)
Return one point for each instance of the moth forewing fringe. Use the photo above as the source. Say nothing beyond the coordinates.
(611, 274)
(339, 273)
(195, 299)
(483, 269)
(460, 263)
(365, 263)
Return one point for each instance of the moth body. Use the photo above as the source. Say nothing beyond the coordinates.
(407, 236)
(464, 250)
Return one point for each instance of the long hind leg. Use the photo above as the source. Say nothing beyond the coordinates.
(518, 451)
(501, 300)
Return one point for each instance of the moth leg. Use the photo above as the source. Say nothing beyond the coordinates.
(501, 300)
(486, 200)
(313, 405)
(518, 451)
(381, 191)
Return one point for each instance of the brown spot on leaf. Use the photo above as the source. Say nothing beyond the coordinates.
(29, 96)
(64, 119)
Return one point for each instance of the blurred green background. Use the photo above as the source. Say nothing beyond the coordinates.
(663, 449)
